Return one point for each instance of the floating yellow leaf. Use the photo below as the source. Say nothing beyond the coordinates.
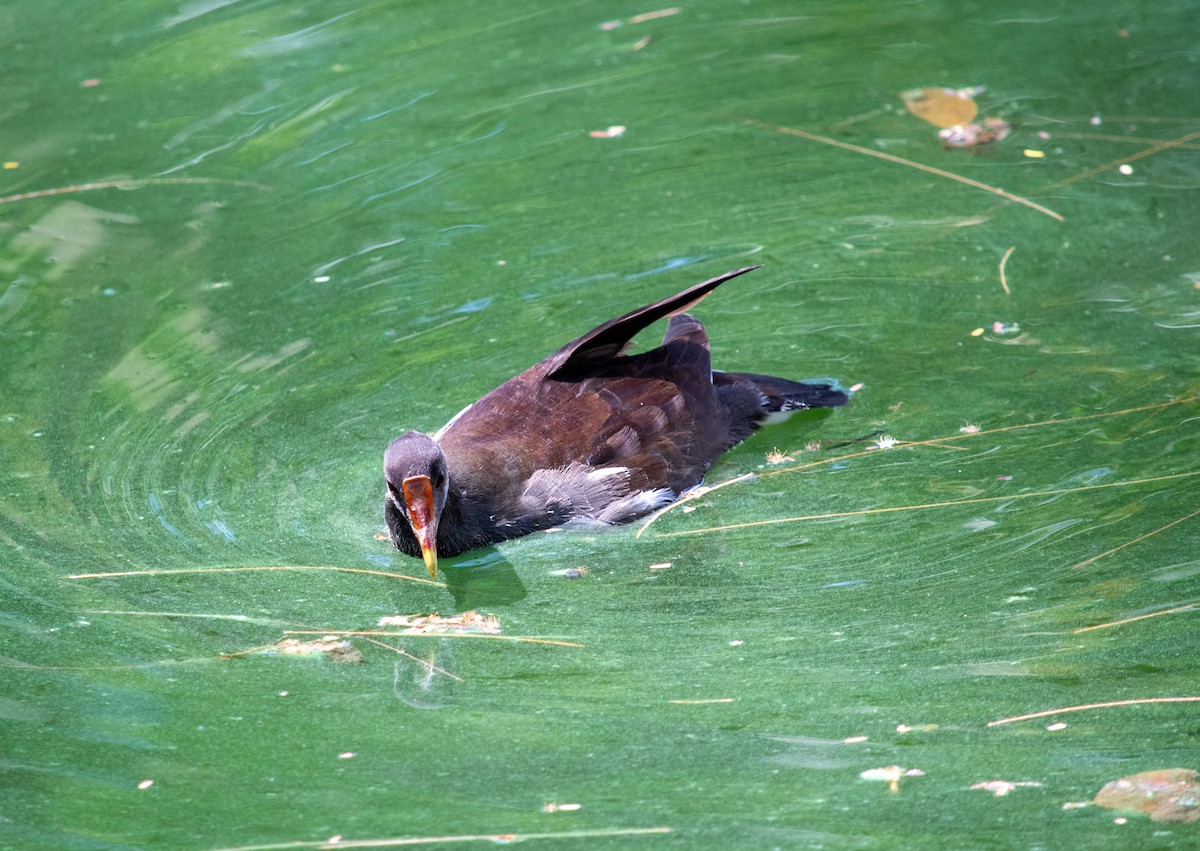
(942, 107)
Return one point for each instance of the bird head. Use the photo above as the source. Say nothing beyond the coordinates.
(417, 484)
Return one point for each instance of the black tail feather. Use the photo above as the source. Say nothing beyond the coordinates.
(783, 396)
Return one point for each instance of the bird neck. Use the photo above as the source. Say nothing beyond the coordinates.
(463, 521)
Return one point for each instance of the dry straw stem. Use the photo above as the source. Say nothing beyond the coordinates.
(198, 615)
(1003, 261)
(499, 838)
(17, 664)
(689, 498)
(825, 140)
(171, 570)
(1109, 166)
(1135, 540)
(1123, 621)
(424, 663)
(946, 504)
(1132, 140)
(132, 183)
(1133, 119)
(937, 441)
(423, 331)
(1084, 706)
(701, 701)
(388, 634)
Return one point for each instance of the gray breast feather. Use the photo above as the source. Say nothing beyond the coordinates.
(580, 492)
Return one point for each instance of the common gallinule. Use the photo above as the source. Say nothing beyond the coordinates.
(589, 434)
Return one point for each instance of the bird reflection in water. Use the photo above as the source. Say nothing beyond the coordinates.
(424, 674)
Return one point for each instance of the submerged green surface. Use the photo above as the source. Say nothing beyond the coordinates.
(244, 244)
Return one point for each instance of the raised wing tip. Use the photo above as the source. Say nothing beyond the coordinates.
(703, 290)
(607, 340)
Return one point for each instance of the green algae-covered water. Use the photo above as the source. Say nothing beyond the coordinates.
(244, 244)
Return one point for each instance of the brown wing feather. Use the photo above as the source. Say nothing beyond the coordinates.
(654, 412)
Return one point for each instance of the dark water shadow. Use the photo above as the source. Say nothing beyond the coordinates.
(793, 432)
(482, 579)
